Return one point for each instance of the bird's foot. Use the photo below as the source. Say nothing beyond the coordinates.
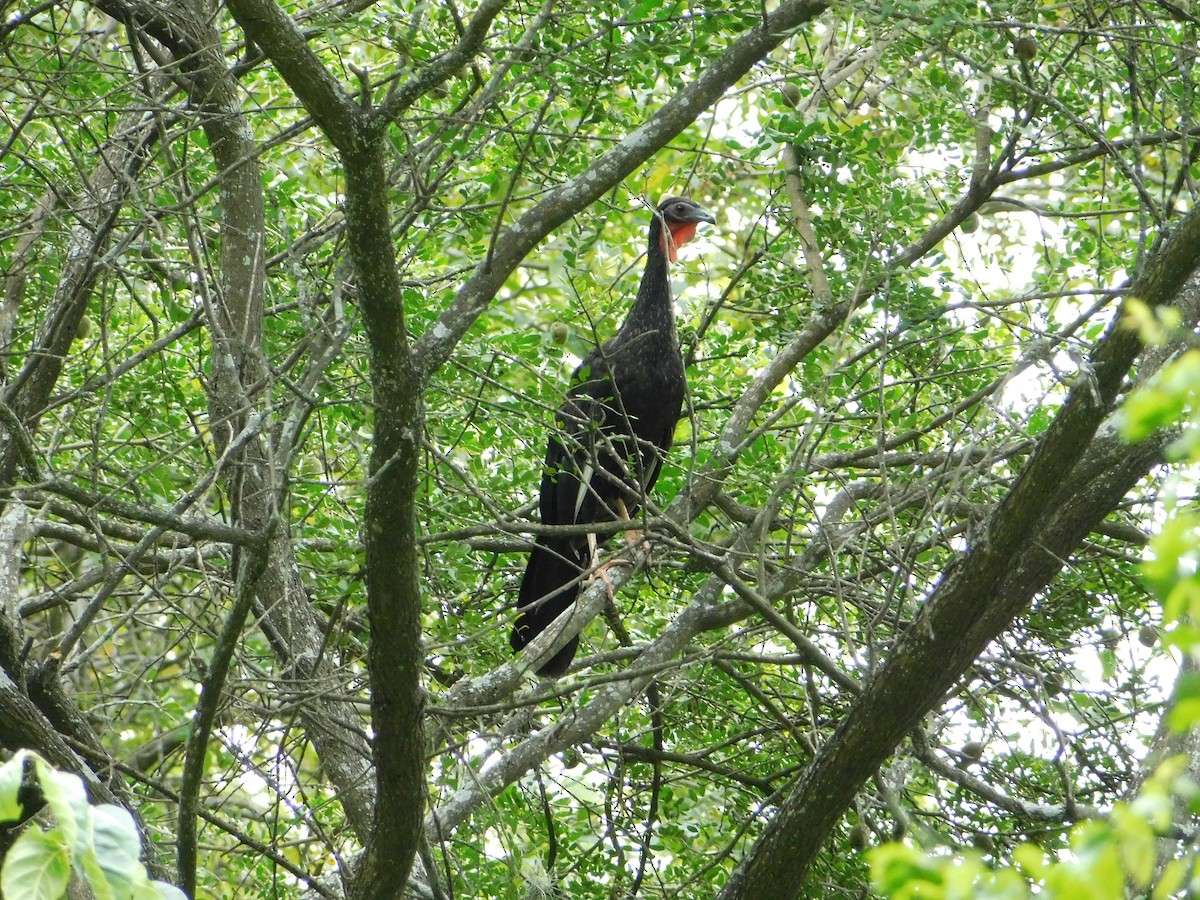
(602, 573)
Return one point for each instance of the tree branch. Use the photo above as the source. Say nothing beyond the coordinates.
(1057, 498)
(435, 346)
(267, 25)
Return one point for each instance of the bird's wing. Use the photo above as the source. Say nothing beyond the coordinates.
(577, 460)
(596, 458)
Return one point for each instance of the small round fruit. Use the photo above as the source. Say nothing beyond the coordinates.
(860, 836)
(559, 332)
(1026, 47)
(1147, 635)
(973, 750)
(791, 94)
(970, 224)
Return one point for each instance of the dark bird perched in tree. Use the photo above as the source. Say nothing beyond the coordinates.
(613, 431)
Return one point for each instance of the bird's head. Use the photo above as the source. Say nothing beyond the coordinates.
(681, 217)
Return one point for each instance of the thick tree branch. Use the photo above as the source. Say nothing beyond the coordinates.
(267, 25)
(113, 179)
(234, 313)
(1034, 529)
(395, 657)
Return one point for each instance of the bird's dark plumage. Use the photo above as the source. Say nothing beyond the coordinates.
(613, 430)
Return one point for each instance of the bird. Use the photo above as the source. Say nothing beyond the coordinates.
(611, 434)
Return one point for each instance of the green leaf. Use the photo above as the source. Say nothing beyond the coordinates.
(1172, 879)
(117, 847)
(1186, 709)
(1176, 542)
(37, 867)
(898, 866)
(1165, 400)
(68, 802)
(1030, 859)
(10, 784)
(89, 866)
(159, 890)
(1138, 843)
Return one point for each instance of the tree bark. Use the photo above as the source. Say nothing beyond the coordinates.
(400, 374)
(257, 488)
(1079, 472)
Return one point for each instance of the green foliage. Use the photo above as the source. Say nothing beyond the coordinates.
(99, 845)
(1102, 860)
(1107, 857)
(867, 470)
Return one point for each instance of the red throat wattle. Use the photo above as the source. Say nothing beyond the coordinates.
(680, 234)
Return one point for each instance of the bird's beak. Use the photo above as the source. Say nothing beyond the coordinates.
(702, 215)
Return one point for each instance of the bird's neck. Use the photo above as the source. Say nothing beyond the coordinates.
(653, 309)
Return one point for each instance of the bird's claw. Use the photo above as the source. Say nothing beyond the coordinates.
(602, 573)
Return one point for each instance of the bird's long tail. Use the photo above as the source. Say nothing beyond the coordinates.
(550, 585)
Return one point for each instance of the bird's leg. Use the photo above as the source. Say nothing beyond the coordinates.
(599, 570)
(631, 538)
(633, 535)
